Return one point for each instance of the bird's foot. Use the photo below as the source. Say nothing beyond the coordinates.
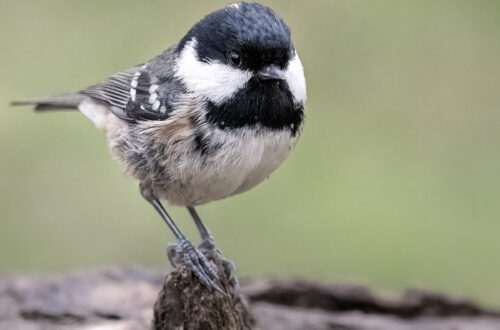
(208, 243)
(195, 261)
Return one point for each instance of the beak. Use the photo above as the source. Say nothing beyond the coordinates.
(271, 72)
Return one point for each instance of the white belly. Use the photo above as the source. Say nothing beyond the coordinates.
(244, 159)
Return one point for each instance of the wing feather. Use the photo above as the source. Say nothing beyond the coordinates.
(129, 94)
(143, 92)
(115, 91)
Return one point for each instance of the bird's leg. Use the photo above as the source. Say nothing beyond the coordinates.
(193, 258)
(204, 232)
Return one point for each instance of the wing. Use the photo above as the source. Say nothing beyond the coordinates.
(143, 92)
(131, 95)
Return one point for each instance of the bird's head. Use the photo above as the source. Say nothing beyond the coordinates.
(242, 46)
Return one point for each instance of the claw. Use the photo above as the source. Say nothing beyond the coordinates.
(209, 267)
(199, 264)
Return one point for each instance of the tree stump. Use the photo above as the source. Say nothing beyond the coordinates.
(128, 299)
(185, 303)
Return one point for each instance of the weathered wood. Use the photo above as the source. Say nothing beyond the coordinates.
(128, 299)
(185, 303)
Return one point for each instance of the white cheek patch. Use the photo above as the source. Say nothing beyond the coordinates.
(295, 79)
(215, 81)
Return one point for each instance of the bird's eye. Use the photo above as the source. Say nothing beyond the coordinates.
(235, 59)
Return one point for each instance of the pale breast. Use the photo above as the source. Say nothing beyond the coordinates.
(242, 160)
(168, 156)
(272, 149)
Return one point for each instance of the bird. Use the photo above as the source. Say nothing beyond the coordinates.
(210, 117)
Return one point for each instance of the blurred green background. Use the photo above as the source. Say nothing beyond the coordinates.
(394, 183)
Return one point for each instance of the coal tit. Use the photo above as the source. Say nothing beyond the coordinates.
(210, 117)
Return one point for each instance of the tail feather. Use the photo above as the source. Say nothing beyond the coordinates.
(60, 102)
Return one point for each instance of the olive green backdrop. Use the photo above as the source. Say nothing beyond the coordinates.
(395, 181)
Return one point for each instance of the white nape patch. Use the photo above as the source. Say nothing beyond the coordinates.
(94, 111)
(295, 79)
(213, 80)
(235, 5)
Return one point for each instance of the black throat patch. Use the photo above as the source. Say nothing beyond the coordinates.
(266, 103)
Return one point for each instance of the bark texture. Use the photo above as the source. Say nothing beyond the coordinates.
(128, 299)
